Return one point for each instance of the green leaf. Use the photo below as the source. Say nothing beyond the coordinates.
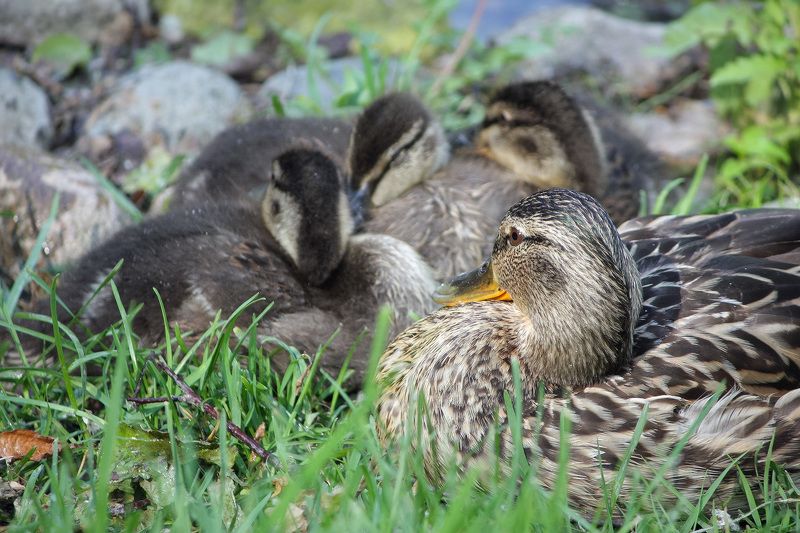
(63, 50)
(755, 141)
(220, 50)
(706, 23)
(742, 69)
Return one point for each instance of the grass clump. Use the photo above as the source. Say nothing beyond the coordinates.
(123, 466)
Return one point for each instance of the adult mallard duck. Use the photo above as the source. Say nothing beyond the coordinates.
(661, 313)
(297, 251)
(534, 135)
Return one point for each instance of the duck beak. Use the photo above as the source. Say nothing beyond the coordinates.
(475, 286)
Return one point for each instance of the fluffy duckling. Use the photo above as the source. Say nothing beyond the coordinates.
(396, 144)
(235, 165)
(660, 314)
(297, 251)
(534, 136)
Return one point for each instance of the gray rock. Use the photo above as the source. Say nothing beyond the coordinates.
(28, 181)
(293, 81)
(26, 22)
(24, 111)
(683, 134)
(612, 49)
(177, 105)
(170, 29)
(790, 202)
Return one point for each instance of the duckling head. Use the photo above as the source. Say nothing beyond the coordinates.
(396, 143)
(306, 210)
(559, 257)
(541, 134)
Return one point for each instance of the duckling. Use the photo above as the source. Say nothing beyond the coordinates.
(661, 313)
(235, 165)
(396, 144)
(297, 251)
(534, 135)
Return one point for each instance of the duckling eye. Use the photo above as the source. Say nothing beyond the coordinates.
(515, 237)
(275, 208)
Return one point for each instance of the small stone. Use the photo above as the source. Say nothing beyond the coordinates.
(614, 50)
(681, 135)
(29, 180)
(170, 28)
(789, 202)
(177, 105)
(26, 22)
(24, 111)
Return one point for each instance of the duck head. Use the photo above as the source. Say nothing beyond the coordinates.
(560, 260)
(306, 210)
(541, 134)
(396, 143)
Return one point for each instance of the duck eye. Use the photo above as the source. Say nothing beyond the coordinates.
(515, 237)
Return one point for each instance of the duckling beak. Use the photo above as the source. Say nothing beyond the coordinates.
(475, 286)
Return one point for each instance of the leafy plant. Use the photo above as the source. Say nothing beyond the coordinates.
(154, 53)
(222, 48)
(64, 51)
(451, 94)
(754, 63)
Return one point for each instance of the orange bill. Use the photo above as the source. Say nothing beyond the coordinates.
(475, 286)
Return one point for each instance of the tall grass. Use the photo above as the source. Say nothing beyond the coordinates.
(334, 473)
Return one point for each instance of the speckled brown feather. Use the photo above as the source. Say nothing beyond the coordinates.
(721, 308)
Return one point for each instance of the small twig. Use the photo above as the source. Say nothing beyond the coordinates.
(461, 49)
(157, 399)
(139, 379)
(191, 397)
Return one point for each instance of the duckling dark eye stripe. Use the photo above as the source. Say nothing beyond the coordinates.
(516, 123)
(398, 150)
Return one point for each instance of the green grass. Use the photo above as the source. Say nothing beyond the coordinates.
(333, 472)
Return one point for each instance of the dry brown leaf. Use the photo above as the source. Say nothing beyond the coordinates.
(17, 443)
(298, 523)
(277, 485)
(260, 431)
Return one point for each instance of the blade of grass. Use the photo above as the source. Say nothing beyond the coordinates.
(58, 341)
(117, 195)
(684, 205)
(106, 453)
(12, 297)
(52, 406)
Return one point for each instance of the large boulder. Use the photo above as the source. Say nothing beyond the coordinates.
(682, 133)
(177, 105)
(29, 179)
(24, 111)
(26, 22)
(614, 50)
(293, 81)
